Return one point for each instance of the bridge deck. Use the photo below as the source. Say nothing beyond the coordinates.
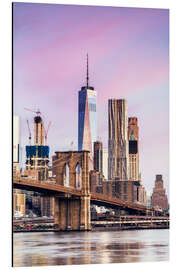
(56, 189)
(44, 187)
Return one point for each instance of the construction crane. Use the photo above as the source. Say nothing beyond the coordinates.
(37, 112)
(29, 132)
(46, 132)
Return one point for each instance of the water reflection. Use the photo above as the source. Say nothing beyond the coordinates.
(35, 249)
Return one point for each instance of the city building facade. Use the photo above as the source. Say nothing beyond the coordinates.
(105, 163)
(19, 203)
(98, 156)
(142, 196)
(118, 148)
(47, 206)
(159, 198)
(95, 178)
(125, 190)
(133, 137)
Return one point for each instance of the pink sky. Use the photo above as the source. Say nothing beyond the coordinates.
(128, 56)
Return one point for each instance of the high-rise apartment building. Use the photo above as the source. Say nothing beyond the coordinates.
(118, 148)
(87, 117)
(133, 137)
(98, 156)
(159, 198)
(105, 163)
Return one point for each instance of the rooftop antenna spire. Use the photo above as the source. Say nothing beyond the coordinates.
(87, 78)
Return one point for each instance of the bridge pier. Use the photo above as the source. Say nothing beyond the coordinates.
(85, 214)
(72, 213)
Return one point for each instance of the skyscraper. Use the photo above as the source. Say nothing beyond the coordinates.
(37, 155)
(38, 130)
(105, 163)
(159, 197)
(133, 136)
(98, 156)
(118, 159)
(86, 116)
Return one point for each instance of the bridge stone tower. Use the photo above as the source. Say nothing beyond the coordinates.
(72, 171)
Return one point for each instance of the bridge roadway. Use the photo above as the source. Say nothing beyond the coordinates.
(45, 187)
(49, 188)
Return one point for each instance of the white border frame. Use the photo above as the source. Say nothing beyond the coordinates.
(5, 139)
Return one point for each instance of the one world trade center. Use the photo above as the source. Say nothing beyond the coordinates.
(86, 117)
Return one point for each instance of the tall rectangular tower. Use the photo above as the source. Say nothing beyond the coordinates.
(98, 157)
(118, 152)
(133, 137)
(105, 163)
(37, 155)
(86, 117)
(159, 197)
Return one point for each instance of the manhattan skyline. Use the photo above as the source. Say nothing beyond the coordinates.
(128, 58)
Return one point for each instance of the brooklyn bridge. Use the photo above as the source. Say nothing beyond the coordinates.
(73, 199)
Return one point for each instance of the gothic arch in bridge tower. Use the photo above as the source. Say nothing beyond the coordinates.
(78, 176)
(66, 175)
(72, 212)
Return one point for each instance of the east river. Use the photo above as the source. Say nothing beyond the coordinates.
(68, 248)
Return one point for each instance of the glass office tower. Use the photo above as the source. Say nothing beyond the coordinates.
(86, 117)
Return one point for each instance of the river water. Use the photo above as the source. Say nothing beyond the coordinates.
(68, 248)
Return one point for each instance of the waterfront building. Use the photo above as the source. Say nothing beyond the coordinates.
(125, 190)
(95, 178)
(118, 148)
(159, 198)
(105, 163)
(36, 203)
(87, 117)
(98, 156)
(142, 196)
(47, 206)
(19, 203)
(133, 137)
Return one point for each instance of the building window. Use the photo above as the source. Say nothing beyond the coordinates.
(92, 107)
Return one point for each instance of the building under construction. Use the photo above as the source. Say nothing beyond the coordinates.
(37, 155)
